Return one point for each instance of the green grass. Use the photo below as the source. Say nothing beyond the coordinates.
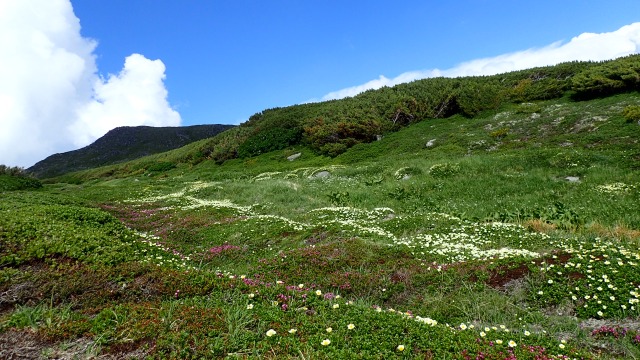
(477, 245)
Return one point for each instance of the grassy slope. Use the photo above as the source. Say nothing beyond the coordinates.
(202, 261)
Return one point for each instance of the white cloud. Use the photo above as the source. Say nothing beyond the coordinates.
(587, 46)
(51, 98)
(136, 96)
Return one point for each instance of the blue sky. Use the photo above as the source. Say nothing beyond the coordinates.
(72, 70)
(229, 59)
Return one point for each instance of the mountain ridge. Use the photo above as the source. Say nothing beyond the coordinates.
(124, 144)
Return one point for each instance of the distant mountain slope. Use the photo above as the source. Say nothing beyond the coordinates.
(124, 144)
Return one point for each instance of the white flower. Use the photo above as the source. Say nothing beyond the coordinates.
(271, 332)
(329, 329)
(325, 342)
(400, 348)
(292, 331)
(250, 306)
(351, 326)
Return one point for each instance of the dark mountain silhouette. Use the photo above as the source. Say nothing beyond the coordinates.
(123, 144)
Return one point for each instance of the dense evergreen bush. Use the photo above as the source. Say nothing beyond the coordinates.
(15, 178)
(631, 113)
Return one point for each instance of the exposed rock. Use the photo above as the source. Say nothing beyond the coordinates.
(572, 179)
(431, 142)
(294, 156)
(322, 174)
(379, 137)
(390, 216)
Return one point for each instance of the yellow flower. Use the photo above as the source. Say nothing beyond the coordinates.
(351, 326)
(325, 342)
(400, 348)
(271, 332)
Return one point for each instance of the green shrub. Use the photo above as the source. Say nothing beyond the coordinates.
(608, 78)
(528, 108)
(15, 178)
(335, 138)
(161, 166)
(444, 170)
(11, 183)
(499, 133)
(631, 113)
(276, 138)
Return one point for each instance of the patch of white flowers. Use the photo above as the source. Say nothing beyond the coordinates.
(615, 188)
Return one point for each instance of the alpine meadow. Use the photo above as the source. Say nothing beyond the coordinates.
(492, 217)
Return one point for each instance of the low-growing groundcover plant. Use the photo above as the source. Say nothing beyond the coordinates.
(456, 251)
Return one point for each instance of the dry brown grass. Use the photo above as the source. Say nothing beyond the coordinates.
(621, 232)
(539, 226)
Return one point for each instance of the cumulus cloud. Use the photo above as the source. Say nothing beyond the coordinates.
(587, 46)
(51, 96)
(136, 96)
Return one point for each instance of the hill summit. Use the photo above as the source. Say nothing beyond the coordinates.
(124, 144)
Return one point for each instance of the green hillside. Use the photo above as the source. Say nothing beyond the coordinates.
(497, 218)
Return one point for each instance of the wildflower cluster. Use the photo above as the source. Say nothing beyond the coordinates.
(152, 251)
(615, 188)
(474, 242)
(602, 278)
